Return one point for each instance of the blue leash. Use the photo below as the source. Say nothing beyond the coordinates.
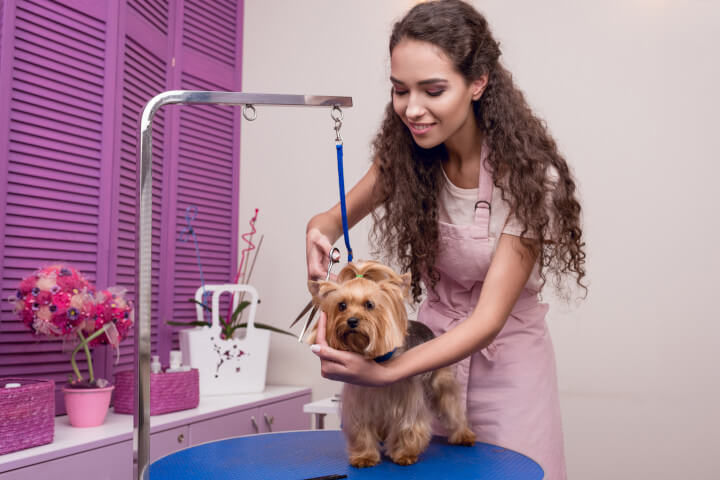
(343, 208)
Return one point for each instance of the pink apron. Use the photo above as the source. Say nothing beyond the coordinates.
(511, 385)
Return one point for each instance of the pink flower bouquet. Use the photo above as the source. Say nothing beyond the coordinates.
(57, 301)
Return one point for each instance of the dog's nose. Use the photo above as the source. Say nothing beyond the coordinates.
(353, 322)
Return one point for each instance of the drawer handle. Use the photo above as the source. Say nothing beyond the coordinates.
(181, 437)
(254, 424)
(269, 419)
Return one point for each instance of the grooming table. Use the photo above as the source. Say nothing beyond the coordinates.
(308, 454)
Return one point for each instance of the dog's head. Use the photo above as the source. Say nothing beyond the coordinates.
(365, 309)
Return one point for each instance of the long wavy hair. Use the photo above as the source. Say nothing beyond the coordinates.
(521, 154)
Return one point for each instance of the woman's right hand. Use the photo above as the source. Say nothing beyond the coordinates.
(317, 249)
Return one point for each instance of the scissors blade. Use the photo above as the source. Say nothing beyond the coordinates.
(307, 323)
(304, 311)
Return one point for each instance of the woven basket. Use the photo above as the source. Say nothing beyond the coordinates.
(27, 414)
(169, 392)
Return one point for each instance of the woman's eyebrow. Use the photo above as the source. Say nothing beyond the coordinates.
(429, 81)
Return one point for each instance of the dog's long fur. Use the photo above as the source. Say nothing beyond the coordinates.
(366, 314)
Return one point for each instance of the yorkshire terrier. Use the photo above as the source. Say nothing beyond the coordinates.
(366, 314)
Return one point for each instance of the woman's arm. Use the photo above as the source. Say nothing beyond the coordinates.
(508, 274)
(325, 228)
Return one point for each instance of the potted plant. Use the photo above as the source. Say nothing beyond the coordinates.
(57, 301)
(228, 363)
(228, 328)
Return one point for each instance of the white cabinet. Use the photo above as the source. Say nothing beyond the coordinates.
(105, 452)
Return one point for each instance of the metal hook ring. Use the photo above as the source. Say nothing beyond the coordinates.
(249, 108)
(336, 113)
(482, 204)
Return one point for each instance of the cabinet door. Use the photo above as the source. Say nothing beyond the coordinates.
(113, 462)
(285, 416)
(232, 425)
(168, 441)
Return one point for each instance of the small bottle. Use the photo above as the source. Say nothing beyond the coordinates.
(155, 366)
(176, 362)
(175, 359)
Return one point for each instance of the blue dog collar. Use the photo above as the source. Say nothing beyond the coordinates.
(386, 357)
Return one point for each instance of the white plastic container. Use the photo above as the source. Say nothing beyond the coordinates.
(155, 366)
(237, 365)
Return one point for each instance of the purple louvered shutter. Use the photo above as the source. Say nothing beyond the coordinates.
(145, 50)
(56, 183)
(205, 173)
(2, 10)
(75, 75)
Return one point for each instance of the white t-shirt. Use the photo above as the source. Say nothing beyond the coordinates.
(457, 206)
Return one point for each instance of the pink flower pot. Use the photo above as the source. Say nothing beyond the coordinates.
(87, 407)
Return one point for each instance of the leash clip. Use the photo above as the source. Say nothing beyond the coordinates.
(337, 115)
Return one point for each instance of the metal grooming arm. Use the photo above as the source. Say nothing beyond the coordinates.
(141, 432)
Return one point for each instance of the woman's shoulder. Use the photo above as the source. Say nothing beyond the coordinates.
(502, 219)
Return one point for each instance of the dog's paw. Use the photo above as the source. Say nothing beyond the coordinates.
(464, 436)
(362, 461)
(404, 459)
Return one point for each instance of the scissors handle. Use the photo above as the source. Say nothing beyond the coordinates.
(334, 258)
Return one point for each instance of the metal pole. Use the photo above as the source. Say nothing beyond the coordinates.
(143, 286)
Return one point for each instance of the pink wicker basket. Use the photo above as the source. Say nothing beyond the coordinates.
(27, 413)
(169, 392)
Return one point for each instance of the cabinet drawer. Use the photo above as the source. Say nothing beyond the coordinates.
(168, 441)
(113, 462)
(231, 425)
(284, 416)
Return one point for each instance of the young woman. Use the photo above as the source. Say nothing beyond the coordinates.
(470, 194)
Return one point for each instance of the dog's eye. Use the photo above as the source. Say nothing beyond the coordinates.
(369, 305)
(342, 306)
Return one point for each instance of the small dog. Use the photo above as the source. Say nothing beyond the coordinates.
(366, 314)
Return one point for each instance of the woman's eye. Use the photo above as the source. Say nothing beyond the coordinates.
(342, 306)
(435, 93)
(369, 305)
(399, 92)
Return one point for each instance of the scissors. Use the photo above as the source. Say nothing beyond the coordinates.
(334, 258)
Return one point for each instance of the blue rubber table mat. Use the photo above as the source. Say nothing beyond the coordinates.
(307, 454)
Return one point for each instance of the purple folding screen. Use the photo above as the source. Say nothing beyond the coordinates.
(74, 77)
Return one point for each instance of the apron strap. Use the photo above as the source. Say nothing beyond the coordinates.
(485, 189)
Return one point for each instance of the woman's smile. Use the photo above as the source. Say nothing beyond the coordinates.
(419, 128)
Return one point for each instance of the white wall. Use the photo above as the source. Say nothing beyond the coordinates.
(629, 90)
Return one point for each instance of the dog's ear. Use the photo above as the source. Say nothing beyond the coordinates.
(320, 289)
(402, 282)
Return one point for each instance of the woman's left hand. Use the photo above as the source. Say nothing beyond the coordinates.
(347, 366)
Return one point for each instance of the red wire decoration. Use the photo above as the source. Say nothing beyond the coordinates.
(247, 238)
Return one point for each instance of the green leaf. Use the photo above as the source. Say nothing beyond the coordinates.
(268, 327)
(241, 306)
(192, 300)
(208, 309)
(230, 331)
(188, 324)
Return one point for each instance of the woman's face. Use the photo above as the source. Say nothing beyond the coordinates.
(431, 97)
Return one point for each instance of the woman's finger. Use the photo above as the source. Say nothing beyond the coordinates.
(320, 337)
(327, 353)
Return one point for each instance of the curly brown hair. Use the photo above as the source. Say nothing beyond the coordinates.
(521, 155)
